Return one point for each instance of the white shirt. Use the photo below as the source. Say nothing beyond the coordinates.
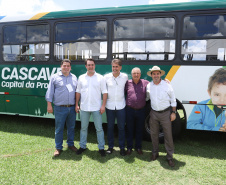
(91, 88)
(162, 95)
(116, 92)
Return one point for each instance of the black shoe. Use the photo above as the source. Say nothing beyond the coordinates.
(122, 152)
(80, 150)
(102, 153)
(109, 151)
(129, 152)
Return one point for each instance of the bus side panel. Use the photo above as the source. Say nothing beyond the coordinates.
(190, 83)
(2, 103)
(37, 106)
(16, 104)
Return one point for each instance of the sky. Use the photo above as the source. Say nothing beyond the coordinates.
(24, 7)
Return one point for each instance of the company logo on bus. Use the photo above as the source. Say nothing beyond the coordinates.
(25, 77)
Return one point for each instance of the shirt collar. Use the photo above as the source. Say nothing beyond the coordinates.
(120, 74)
(61, 74)
(92, 75)
(160, 83)
(210, 105)
(137, 83)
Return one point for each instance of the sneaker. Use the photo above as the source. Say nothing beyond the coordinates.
(122, 152)
(102, 153)
(80, 150)
(109, 151)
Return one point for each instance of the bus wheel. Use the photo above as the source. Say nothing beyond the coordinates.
(176, 128)
(147, 135)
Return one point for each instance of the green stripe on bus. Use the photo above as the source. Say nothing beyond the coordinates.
(138, 9)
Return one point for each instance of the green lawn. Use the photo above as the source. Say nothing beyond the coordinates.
(27, 146)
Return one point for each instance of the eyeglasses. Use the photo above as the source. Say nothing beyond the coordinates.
(136, 73)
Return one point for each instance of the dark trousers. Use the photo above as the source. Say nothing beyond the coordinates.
(121, 119)
(163, 119)
(135, 122)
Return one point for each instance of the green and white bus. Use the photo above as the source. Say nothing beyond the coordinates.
(187, 40)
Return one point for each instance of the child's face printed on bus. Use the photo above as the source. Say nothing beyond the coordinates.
(218, 94)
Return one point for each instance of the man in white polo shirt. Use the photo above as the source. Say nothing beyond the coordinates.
(90, 87)
(115, 106)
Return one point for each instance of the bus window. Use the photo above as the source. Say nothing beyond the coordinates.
(26, 52)
(38, 33)
(202, 38)
(14, 34)
(81, 50)
(26, 43)
(67, 31)
(144, 28)
(144, 39)
(144, 50)
(81, 40)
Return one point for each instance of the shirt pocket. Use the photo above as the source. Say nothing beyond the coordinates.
(59, 83)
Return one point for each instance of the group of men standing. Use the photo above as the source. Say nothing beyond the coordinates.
(124, 101)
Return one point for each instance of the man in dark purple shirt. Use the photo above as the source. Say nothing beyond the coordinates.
(135, 109)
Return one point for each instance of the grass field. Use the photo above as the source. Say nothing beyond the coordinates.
(27, 146)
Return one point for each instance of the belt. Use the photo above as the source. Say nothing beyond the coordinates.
(162, 110)
(134, 108)
(66, 105)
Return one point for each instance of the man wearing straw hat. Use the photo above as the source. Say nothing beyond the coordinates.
(163, 112)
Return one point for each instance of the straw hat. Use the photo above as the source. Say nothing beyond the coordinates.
(155, 68)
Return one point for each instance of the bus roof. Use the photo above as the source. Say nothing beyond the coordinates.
(198, 5)
(217, 4)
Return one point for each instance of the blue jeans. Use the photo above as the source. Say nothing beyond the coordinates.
(135, 122)
(121, 118)
(62, 115)
(97, 118)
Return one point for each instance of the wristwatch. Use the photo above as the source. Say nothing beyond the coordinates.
(174, 112)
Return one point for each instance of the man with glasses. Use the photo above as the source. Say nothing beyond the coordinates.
(115, 106)
(135, 110)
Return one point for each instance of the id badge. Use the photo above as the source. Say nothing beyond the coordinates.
(69, 87)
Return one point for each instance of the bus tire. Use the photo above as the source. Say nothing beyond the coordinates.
(147, 134)
(176, 127)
